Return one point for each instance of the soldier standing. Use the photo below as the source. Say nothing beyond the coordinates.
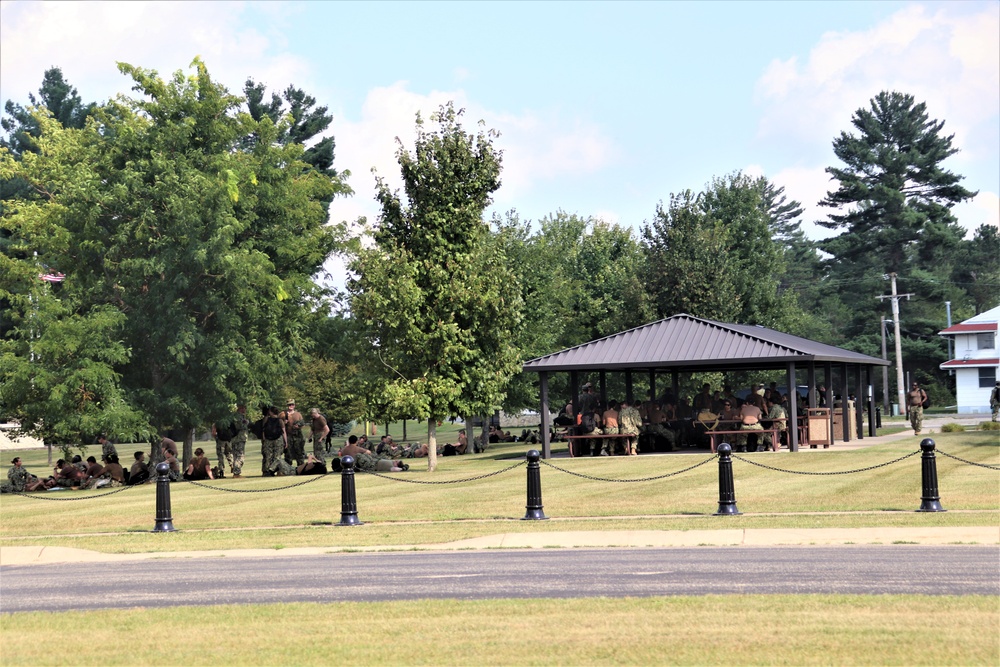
(293, 428)
(320, 429)
(238, 444)
(915, 403)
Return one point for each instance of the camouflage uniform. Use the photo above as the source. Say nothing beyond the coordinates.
(17, 480)
(995, 402)
(108, 450)
(915, 403)
(630, 422)
(296, 441)
(741, 439)
(776, 412)
(372, 463)
(271, 451)
(238, 444)
(224, 450)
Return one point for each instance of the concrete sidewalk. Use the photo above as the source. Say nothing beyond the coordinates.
(35, 555)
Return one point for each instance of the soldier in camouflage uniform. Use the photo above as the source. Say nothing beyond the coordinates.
(20, 480)
(629, 423)
(271, 448)
(368, 462)
(776, 412)
(223, 434)
(238, 444)
(107, 447)
(293, 430)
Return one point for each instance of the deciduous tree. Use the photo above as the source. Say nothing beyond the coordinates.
(440, 307)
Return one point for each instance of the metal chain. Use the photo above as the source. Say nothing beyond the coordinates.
(839, 472)
(627, 481)
(100, 495)
(971, 463)
(277, 488)
(452, 481)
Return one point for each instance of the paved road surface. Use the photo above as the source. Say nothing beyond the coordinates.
(536, 573)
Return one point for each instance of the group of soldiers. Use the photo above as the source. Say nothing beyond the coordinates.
(282, 441)
(668, 424)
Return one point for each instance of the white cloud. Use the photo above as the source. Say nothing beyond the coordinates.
(537, 147)
(984, 209)
(807, 185)
(949, 58)
(85, 39)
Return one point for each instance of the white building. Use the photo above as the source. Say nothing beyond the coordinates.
(975, 360)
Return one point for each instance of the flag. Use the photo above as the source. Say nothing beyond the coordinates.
(52, 277)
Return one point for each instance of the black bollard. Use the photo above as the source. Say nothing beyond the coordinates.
(348, 500)
(930, 501)
(534, 508)
(727, 489)
(164, 522)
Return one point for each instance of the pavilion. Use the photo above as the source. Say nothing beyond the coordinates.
(684, 343)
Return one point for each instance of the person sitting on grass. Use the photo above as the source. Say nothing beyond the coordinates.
(169, 452)
(139, 472)
(20, 480)
(67, 475)
(200, 467)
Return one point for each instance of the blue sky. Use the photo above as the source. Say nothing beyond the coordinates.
(604, 109)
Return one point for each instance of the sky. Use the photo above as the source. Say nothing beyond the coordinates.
(603, 109)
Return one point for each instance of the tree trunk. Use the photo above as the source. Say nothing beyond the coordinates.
(432, 449)
(404, 430)
(188, 447)
(470, 436)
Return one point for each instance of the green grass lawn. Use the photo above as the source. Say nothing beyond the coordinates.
(709, 630)
(713, 630)
(398, 512)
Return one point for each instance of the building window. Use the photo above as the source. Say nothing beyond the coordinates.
(986, 341)
(987, 376)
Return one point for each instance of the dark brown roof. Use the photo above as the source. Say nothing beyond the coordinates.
(692, 343)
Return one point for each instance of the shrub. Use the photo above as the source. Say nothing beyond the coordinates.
(952, 428)
(989, 426)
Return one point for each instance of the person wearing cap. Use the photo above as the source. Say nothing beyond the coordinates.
(995, 401)
(915, 404)
(293, 428)
(107, 447)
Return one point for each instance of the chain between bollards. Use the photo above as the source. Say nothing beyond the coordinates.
(727, 489)
(348, 500)
(534, 508)
(164, 521)
(930, 500)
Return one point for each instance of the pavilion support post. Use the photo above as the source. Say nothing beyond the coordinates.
(628, 387)
(871, 402)
(860, 394)
(652, 384)
(543, 382)
(846, 417)
(828, 395)
(603, 382)
(793, 408)
(574, 391)
(811, 381)
(675, 386)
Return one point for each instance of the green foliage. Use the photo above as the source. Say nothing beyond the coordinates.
(989, 426)
(714, 254)
(202, 252)
(952, 428)
(437, 301)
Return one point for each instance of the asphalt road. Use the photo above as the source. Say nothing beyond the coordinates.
(535, 573)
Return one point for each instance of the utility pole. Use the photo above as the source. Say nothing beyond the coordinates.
(900, 386)
(885, 375)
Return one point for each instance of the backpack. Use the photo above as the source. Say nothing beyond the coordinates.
(272, 428)
(588, 423)
(227, 432)
(927, 402)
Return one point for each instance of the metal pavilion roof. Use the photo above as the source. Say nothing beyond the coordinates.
(692, 343)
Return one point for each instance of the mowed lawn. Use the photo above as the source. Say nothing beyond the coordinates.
(710, 630)
(419, 507)
(713, 630)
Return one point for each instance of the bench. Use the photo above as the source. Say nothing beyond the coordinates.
(775, 442)
(593, 436)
